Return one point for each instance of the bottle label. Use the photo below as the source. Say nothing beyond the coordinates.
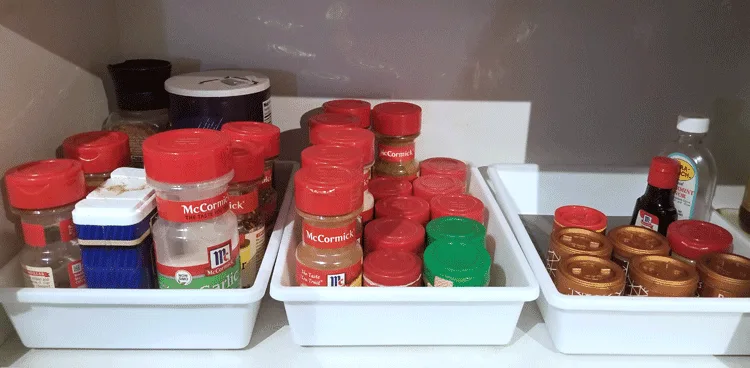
(267, 181)
(687, 187)
(244, 203)
(252, 248)
(221, 270)
(439, 282)
(329, 237)
(647, 220)
(368, 282)
(39, 236)
(267, 111)
(347, 276)
(193, 211)
(75, 275)
(38, 277)
(400, 153)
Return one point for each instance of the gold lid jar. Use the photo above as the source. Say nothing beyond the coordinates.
(588, 275)
(724, 275)
(631, 241)
(570, 241)
(661, 275)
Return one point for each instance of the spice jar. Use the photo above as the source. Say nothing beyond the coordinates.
(662, 276)
(195, 237)
(429, 186)
(445, 166)
(381, 188)
(724, 275)
(392, 268)
(571, 241)
(396, 125)
(449, 264)
(631, 241)
(408, 207)
(392, 233)
(358, 108)
(99, 153)
(588, 275)
(580, 216)
(247, 161)
(456, 230)
(43, 194)
(461, 205)
(328, 200)
(692, 239)
(328, 122)
(268, 136)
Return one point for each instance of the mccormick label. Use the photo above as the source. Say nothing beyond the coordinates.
(687, 187)
(39, 236)
(267, 179)
(267, 111)
(244, 203)
(647, 220)
(193, 211)
(38, 277)
(400, 153)
(75, 275)
(220, 271)
(347, 276)
(252, 248)
(329, 237)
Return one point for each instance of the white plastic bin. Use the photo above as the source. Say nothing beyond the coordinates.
(143, 319)
(605, 324)
(407, 315)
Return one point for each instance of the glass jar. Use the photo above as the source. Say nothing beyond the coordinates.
(449, 264)
(392, 268)
(724, 275)
(656, 275)
(572, 241)
(43, 194)
(631, 241)
(588, 275)
(100, 153)
(396, 125)
(195, 237)
(357, 108)
(692, 239)
(325, 122)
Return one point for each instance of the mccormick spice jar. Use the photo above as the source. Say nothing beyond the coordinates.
(43, 194)
(357, 108)
(662, 276)
(631, 241)
(588, 275)
(580, 216)
(572, 241)
(428, 186)
(408, 207)
(389, 187)
(724, 275)
(692, 239)
(99, 152)
(329, 200)
(456, 230)
(394, 234)
(392, 268)
(461, 205)
(396, 125)
(328, 122)
(449, 264)
(445, 166)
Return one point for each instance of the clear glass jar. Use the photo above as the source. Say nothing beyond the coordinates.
(396, 157)
(138, 125)
(243, 201)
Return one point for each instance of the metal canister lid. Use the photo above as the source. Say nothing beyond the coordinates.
(726, 271)
(630, 241)
(587, 275)
(456, 264)
(573, 241)
(456, 229)
(657, 275)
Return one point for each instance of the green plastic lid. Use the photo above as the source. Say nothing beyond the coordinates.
(456, 230)
(456, 264)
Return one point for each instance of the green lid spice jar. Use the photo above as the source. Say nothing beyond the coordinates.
(456, 264)
(455, 229)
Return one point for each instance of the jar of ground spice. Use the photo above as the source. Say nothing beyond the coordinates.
(325, 122)
(396, 125)
(357, 108)
(392, 268)
(429, 186)
(580, 216)
(631, 241)
(449, 264)
(456, 230)
(661, 276)
(445, 166)
(569, 242)
(99, 152)
(692, 239)
(587, 275)
(408, 207)
(392, 233)
(461, 205)
(389, 187)
(724, 275)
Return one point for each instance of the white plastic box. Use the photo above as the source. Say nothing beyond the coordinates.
(143, 319)
(605, 324)
(407, 315)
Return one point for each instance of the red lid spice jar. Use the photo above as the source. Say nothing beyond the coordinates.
(571, 241)
(357, 108)
(393, 233)
(329, 122)
(724, 275)
(661, 276)
(445, 166)
(100, 153)
(692, 239)
(429, 186)
(43, 194)
(396, 125)
(408, 207)
(392, 268)
(389, 187)
(580, 216)
(461, 205)
(587, 275)
(329, 200)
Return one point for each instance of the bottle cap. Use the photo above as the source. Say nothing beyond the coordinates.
(726, 272)
(264, 134)
(185, 156)
(361, 139)
(429, 186)
(358, 108)
(247, 161)
(139, 84)
(690, 123)
(658, 275)
(384, 187)
(456, 230)
(663, 172)
(98, 151)
(408, 207)
(693, 238)
(394, 234)
(218, 83)
(461, 205)
(330, 121)
(461, 264)
(443, 166)
(580, 216)
(328, 190)
(630, 241)
(45, 184)
(397, 119)
(331, 155)
(573, 241)
(587, 275)
(392, 268)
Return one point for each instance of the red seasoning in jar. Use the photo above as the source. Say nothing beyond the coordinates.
(462, 205)
(99, 152)
(392, 268)
(392, 233)
(408, 207)
(389, 187)
(444, 166)
(580, 216)
(692, 239)
(329, 121)
(429, 186)
(357, 108)
(396, 125)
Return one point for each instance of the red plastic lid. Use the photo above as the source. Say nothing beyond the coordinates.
(264, 134)
(429, 186)
(329, 121)
(443, 166)
(247, 161)
(392, 268)
(331, 155)
(394, 234)
(409, 207)
(99, 151)
(328, 190)
(397, 118)
(694, 239)
(357, 108)
(45, 184)
(663, 172)
(187, 156)
(581, 216)
(462, 205)
(362, 140)
(384, 187)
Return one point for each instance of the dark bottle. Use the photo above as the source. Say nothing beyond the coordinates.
(655, 209)
(745, 209)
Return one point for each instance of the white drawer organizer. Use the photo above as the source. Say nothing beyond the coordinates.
(143, 319)
(407, 315)
(615, 325)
